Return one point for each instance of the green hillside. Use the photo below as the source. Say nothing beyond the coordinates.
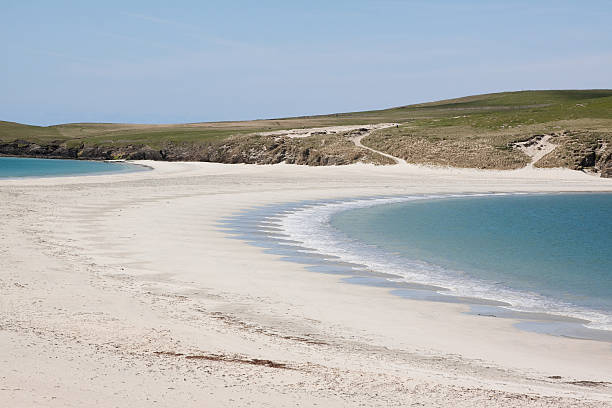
(473, 131)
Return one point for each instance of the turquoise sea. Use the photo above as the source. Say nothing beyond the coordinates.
(536, 253)
(11, 167)
(552, 251)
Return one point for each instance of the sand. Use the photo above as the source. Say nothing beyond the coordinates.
(123, 290)
(306, 132)
(537, 148)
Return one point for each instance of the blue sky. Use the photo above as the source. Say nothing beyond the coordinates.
(189, 61)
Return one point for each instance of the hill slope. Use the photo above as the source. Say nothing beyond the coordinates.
(480, 131)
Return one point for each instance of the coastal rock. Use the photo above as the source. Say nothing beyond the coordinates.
(606, 165)
(63, 151)
(28, 149)
(321, 150)
(588, 160)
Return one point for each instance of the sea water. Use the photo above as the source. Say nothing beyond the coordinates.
(11, 167)
(549, 253)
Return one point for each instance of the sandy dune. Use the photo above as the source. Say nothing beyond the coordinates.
(122, 290)
(536, 148)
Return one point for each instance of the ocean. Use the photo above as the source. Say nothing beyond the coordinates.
(538, 253)
(11, 167)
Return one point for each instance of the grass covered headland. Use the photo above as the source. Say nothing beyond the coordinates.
(479, 131)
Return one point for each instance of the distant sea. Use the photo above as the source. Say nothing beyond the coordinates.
(11, 167)
(544, 253)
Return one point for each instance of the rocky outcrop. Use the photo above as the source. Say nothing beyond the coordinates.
(605, 165)
(271, 150)
(24, 148)
(63, 151)
(319, 150)
(598, 158)
(581, 150)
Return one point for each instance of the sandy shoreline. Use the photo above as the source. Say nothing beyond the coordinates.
(123, 290)
(300, 232)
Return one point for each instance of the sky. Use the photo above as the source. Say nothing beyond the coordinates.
(193, 61)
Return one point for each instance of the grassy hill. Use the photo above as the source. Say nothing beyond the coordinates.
(473, 131)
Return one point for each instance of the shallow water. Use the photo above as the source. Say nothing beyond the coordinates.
(11, 167)
(303, 232)
(546, 253)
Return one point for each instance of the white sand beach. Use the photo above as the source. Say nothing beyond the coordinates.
(123, 291)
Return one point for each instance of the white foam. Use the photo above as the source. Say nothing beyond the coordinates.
(310, 225)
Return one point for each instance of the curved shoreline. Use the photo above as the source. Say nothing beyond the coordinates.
(304, 242)
(124, 288)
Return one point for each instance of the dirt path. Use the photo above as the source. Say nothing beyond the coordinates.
(357, 133)
(357, 140)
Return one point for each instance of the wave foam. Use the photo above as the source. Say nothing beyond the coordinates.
(310, 225)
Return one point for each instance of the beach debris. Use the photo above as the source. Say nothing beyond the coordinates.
(224, 358)
(588, 383)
